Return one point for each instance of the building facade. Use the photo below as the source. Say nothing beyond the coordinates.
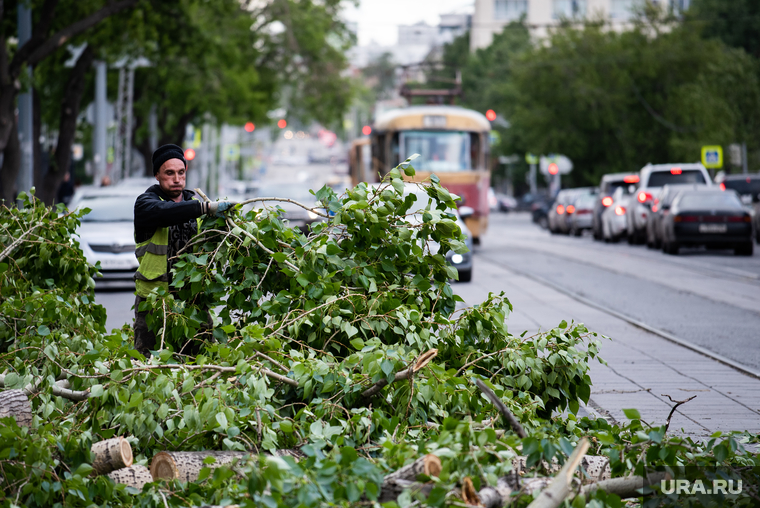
(491, 16)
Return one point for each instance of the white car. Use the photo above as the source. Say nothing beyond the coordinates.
(652, 178)
(614, 225)
(106, 234)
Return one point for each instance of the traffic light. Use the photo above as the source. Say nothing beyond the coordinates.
(249, 127)
(366, 130)
(282, 123)
(189, 154)
(553, 168)
(491, 115)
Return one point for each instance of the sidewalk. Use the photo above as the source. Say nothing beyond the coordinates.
(642, 367)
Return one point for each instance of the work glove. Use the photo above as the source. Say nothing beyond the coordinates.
(217, 208)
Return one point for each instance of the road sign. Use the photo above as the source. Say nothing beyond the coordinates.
(712, 156)
(555, 164)
(531, 159)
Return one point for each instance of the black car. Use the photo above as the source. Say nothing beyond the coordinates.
(607, 187)
(712, 218)
(661, 208)
(748, 188)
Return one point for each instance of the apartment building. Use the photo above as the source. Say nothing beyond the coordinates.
(491, 16)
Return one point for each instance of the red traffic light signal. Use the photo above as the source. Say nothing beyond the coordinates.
(282, 123)
(553, 168)
(189, 154)
(249, 127)
(491, 115)
(366, 130)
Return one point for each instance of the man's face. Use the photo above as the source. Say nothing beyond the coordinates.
(171, 177)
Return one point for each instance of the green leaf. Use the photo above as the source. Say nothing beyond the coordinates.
(96, 390)
(632, 414)
(43, 330)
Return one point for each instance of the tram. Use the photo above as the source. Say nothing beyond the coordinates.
(452, 142)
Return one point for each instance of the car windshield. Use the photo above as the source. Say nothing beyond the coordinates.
(709, 200)
(661, 178)
(109, 208)
(744, 186)
(439, 151)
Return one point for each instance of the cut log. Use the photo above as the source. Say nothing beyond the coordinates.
(132, 476)
(405, 478)
(429, 465)
(15, 403)
(186, 466)
(111, 454)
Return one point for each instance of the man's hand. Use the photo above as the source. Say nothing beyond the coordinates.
(217, 208)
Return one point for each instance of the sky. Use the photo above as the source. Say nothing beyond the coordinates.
(378, 19)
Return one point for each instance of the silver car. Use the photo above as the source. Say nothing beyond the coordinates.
(106, 234)
(652, 178)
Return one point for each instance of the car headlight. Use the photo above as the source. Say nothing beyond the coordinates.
(457, 258)
(312, 214)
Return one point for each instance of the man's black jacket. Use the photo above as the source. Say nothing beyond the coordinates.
(154, 209)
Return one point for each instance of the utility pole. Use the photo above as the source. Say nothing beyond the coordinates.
(744, 158)
(25, 179)
(100, 130)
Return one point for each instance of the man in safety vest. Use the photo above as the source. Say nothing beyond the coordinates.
(166, 218)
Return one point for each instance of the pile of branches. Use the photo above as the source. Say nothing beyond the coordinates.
(334, 367)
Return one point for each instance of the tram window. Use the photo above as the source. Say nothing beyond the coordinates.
(395, 151)
(475, 149)
(440, 151)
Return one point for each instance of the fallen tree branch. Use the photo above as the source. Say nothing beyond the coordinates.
(673, 409)
(60, 388)
(285, 200)
(419, 364)
(508, 416)
(559, 488)
(625, 487)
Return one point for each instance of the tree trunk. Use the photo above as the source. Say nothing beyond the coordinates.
(15, 403)
(133, 476)
(67, 126)
(111, 454)
(186, 466)
(36, 145)
(11, 164)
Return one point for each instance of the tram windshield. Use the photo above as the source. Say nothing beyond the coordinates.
(439, 151)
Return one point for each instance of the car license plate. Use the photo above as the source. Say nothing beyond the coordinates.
(713, 228)
(117, 264)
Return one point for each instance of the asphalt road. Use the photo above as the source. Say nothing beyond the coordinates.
(708, 298)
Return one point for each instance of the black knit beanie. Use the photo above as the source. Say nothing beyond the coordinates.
(164, 153)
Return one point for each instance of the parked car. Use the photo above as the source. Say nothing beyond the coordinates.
(661, 208)
(293, 215)
(747, 186)
(583, 215)
(564, 207)
(652, 178)
(106, 233)
(539, 211)
(708, 217)
(607, 187)
(505, 203)
(614, 225)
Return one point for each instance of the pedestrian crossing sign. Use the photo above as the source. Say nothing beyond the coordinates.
(712, 156)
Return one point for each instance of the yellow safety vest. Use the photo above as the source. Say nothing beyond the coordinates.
(152, 256)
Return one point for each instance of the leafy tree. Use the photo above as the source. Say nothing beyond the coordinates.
(737, 23)
(614, 101)
(53, 27)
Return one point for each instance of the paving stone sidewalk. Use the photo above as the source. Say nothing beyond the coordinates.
(643, 369)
